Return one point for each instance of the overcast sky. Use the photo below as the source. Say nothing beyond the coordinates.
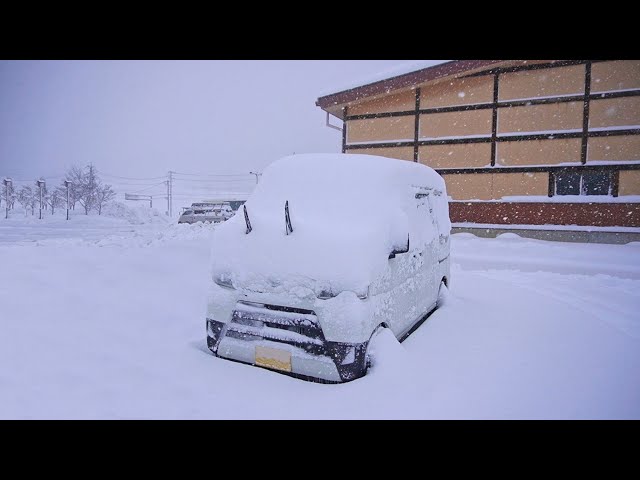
(136, 120)
(143, 118)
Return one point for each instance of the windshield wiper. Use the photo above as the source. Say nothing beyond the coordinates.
(246, 220)
(287, 219)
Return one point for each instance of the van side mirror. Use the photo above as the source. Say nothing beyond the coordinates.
(397, 251)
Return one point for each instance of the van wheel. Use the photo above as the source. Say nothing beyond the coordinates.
(443, 293)
(367, 356)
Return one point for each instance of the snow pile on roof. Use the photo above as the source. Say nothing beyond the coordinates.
(135, 214)
(401, 69)
(348, 212)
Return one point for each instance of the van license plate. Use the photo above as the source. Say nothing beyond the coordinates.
(273, 358)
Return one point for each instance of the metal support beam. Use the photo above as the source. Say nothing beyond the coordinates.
(494, 119)
(416, 130)
(585, 115)
(344, 130)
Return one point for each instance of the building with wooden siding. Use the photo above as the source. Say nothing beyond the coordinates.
(518, 142)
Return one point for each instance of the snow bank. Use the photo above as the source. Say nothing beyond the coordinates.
(137, 214)
(137, 238)
(348, 212)
(171, 234)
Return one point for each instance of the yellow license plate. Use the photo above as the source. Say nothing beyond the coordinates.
(273, 358)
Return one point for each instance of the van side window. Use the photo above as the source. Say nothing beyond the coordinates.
(437, 199)
(423, 204)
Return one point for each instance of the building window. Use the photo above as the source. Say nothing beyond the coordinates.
(588, 183)
(568, 184)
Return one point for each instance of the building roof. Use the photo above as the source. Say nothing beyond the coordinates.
(405, 80)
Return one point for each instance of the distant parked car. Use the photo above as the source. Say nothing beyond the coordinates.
(207, 212)
(328, 250)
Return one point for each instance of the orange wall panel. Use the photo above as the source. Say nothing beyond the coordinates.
(469, 155)
(612, 112)
(469, 186)
(525, 183)
(613, 148)
(538, 152)
(546, 82)
(381, 129)
(455, 124)
(617, 75)
(457, 91)
(394, 102)
(401, 153)
(540, 118)
(629, 182)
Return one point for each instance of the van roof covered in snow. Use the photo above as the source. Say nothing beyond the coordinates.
(316, 179)
(347, 213)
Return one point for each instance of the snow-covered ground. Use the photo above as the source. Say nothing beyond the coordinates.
(105, 318)
(117, 219)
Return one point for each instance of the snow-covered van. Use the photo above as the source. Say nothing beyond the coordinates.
(328, 249)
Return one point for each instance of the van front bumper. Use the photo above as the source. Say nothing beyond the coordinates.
(322, 361)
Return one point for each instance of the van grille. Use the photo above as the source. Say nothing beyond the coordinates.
(294, 326)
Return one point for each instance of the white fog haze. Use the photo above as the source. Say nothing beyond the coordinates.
(143, 118)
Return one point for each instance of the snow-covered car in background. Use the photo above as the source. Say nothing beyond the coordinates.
(207, 212)
(328, 249)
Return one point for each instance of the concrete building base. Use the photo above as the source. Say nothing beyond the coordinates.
(576, 236)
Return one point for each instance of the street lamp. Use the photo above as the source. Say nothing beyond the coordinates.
(66, 184)
(256, 174)
(7, 186)
(40, 184)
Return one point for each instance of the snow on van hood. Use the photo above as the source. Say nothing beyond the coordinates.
(347, 211)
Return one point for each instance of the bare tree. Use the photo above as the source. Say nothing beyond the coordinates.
(104, 194)
(61, 194)
(55, 199)
(26, 198)
(87, 188)
(33, 200)
(75, 175)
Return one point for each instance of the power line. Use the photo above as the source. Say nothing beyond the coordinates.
(132, 184)
(198, 194)
(145, 189)
(213, 175)
(221, 180)
(210, 188)
(131, 178)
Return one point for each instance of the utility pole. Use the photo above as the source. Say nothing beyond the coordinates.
(168, 197)
(40, 184)
(170, 193)
(256, 174)
(7, 187)
(66, 184)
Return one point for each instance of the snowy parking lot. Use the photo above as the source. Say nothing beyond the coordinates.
(106, 319)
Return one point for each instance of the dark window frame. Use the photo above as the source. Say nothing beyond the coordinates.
(584, 188)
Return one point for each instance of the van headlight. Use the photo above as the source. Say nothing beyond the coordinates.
(327, 294)
(224, 280)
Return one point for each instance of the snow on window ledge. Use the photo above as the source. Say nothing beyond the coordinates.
(576, 228)
(556, 199)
